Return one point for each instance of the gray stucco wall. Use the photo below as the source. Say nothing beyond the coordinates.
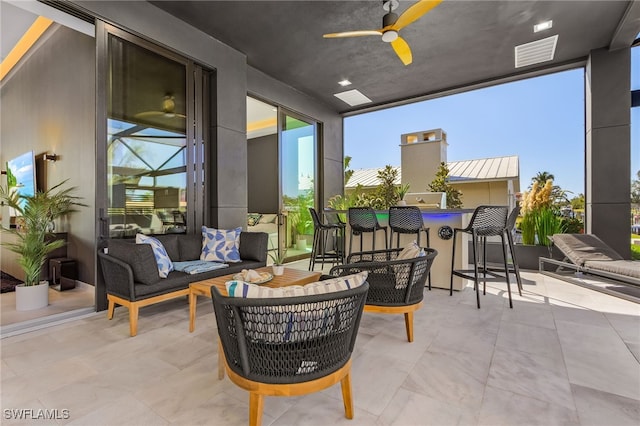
(48, 106)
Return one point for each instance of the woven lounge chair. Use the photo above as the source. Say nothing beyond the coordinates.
(586, 253)
(288, 346)
(396, 286)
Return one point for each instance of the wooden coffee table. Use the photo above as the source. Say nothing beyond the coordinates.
(203, 288)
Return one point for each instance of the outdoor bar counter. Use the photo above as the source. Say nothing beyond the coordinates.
(436, 220)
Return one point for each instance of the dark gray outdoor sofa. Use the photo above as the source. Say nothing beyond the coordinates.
(131, 274)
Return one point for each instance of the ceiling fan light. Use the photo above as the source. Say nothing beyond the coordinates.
(390, 5)
(389, 36)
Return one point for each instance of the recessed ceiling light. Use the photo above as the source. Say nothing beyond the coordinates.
(353, 97)
(542, 26)
(344, 82)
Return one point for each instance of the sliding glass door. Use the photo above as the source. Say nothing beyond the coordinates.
(155, 122)
(298, 147)
(282, 170)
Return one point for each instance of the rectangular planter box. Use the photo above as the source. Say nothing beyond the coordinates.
(526, 255)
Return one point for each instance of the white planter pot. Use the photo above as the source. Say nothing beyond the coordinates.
(278, 269)
(301, 244)
(32, 297)
(402, 203)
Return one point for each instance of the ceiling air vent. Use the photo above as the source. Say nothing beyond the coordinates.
(536, 51)
(353, 97)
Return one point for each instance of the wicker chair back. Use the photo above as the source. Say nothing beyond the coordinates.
(289, 340)
(392, 282)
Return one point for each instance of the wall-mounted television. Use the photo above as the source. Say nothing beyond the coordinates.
(21, 175)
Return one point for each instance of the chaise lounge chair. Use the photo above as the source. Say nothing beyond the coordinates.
(586, 253)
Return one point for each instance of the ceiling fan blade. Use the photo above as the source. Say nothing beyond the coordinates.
(149, 114)
(402, 50)
(414, 13)
(353, 34)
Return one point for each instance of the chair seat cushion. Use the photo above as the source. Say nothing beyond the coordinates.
(580, 248)
(628, 268)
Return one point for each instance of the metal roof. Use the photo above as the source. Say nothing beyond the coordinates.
(498, 168)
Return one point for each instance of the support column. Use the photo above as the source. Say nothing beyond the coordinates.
(228, 154)
(608, 147)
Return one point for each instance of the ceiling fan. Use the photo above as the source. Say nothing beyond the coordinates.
(392, 24)
(168, 109)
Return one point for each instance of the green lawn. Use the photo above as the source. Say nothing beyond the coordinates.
(635, 248)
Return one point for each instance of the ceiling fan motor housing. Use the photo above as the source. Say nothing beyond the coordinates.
(389, 19)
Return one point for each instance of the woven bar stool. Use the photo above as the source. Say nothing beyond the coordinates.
(407, 220)
(511, 224)
(513, 265)
(333, 218)
(320, 252)
(487, 221)
(361, 220)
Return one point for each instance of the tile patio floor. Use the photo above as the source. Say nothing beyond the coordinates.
(565, 355)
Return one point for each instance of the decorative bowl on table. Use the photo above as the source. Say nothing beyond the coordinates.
(253, 277)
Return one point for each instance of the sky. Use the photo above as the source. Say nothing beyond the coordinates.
(541, 120)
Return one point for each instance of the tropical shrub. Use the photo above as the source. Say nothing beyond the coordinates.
(441, 184)
(540, 218)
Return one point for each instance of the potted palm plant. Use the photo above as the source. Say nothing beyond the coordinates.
(33, 239)
(401, 191)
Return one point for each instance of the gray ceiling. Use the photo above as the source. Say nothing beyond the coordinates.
(456, 44)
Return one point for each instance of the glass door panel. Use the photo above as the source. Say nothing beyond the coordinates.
(298, 177)
(262, 171)
(147, 141)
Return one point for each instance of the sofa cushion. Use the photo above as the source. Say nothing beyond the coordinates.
(190, 247)
(162, 258)
(220, 245)
(140, 257)
(171, 245)
(174, 281)
(253, 246)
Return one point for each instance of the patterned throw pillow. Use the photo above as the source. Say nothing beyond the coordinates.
(253, 219)
(248, 290)
(162, 258)
(220, 245)
(411, 251)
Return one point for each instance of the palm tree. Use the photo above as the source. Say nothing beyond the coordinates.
(542, 178)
